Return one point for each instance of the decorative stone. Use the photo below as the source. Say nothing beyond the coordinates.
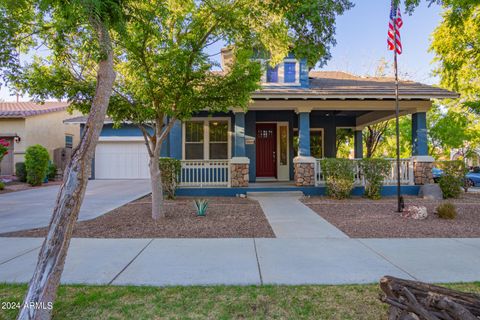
(304, 174)
(423, 172)
(415, 212)
(239, 172)
(430, 192)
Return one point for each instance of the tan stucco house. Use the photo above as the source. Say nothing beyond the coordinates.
(24, 124)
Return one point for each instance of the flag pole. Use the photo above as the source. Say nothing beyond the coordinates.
(397, 114)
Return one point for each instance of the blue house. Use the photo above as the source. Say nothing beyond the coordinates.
(291, 123)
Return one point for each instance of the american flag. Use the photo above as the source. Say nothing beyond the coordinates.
(394, 26)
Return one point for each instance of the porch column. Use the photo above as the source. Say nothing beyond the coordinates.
(358, 141)
(239, 164)
(304, 164)
(175, 142)
(239, 134)
(304, 134)
(422, 163)
(419, 134)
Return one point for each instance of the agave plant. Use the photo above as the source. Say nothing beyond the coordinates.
(201, 206)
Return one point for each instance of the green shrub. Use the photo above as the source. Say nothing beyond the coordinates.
(339, 177)
(170, 170)
(452, 180)
(447, 211)
(36, 164)
(51, 171)
(2, 185)
(21, 171)
(374, 172)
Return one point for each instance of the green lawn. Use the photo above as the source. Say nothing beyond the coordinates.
(218, 302)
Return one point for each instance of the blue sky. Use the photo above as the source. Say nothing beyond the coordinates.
(361, 42)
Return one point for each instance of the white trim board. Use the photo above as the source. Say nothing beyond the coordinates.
(121, 138)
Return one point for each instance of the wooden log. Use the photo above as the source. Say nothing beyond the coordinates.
(409, 299)
(458, 311)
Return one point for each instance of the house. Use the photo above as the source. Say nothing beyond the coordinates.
(290, 124)
(24, 124)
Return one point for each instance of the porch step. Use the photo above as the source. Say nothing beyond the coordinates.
(279, 193)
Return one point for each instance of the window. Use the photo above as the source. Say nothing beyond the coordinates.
(218, 139)
(194, 138)
(289, 71)
(272, 74)
(68, 141)
(206, 139)
(316, 143)
(283, 145)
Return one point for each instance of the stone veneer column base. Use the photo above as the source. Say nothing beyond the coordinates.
(304, 168)
(422, 169)
(239, 172)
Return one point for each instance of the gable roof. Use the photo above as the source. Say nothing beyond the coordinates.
(342, 85)
(27, 109)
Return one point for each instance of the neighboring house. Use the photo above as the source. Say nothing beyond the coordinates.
(24, 124)
(290, 124)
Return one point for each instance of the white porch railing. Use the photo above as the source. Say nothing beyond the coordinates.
(406, 173)
(205, 173)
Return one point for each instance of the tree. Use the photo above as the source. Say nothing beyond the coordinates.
(344, 142)
(58, 25)
(456, 44)
(163, 93)
(453, 129)
(164, 74)
(373, 135)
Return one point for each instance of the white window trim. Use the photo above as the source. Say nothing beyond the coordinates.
(206, 136)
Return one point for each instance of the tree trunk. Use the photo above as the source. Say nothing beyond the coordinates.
(157, 190)
(51, 259)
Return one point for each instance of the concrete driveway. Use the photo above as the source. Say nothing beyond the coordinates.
(33, 208)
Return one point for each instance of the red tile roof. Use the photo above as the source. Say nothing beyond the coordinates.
(27, 109)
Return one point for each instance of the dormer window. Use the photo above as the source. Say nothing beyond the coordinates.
(290, 72)
(272, 74)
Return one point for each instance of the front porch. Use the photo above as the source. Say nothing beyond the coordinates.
(206, 178)
(282, 148)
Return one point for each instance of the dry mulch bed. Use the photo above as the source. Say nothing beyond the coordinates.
(363, 218)
(226, 218)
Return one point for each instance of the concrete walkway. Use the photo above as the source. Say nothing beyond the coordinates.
(290, 218)
(249, 261)
(33, 208)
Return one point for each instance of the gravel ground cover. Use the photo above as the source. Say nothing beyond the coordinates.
(226, 218)
(363, 218)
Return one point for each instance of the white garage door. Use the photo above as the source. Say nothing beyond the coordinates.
(121, 160)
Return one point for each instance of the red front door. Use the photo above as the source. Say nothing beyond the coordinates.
(266, 147)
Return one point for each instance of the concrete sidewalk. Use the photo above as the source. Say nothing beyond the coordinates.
(289, 218)
(164, 262)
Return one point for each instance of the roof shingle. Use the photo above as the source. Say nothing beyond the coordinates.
(335, 84)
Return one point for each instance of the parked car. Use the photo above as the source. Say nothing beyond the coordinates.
(436, 173)
(474, 178)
